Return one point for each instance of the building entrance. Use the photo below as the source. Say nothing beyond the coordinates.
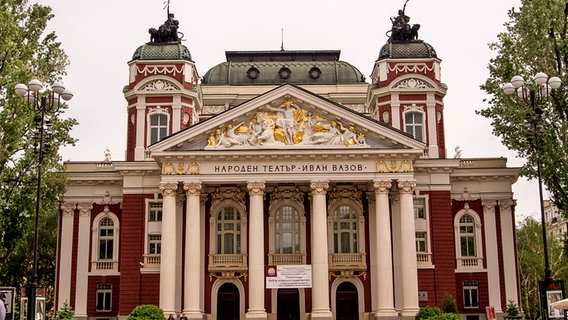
(228, 302)
(288, 304)
(347, 302)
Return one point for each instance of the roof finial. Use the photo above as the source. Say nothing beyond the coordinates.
(282, 39)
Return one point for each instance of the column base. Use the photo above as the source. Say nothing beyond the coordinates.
(385, 314)
(321, 315)
(194, 315)
(409, 313)
(256, 315)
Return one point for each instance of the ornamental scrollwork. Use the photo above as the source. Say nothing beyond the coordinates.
(159, 85)
(394, 166)
(180, 168)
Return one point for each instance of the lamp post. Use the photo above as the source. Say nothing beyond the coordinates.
(536, 99)
(42, 103)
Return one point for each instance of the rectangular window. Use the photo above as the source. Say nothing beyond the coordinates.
(470, 294)
(154, 212)
(154, 244)
(419, 208)
(104, 296)
(421, 246)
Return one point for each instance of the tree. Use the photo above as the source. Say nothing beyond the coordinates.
(536, 40)
(66, 312)
(512, 311)
(530, 251)
(26, 52)
(449, 304)
(146, 312)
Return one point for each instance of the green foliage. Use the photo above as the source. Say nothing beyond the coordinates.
(428, 312)
(536, 40)
(66, 312)
(449, 304)
(530, 252)
(26, 52)
(512, 311)
(146, 312)
(446, 316)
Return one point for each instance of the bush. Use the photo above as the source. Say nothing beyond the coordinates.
(428, 312)
(146, 312)
(66, 312)
(447, 316)
(512, 311)
(449, 304)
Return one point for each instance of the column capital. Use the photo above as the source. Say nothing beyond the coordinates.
(507, 203)
(381, 186)
(85, 209)
(406, 186)
(192, 188)
(256, 188)
(168, 188)
(489, 204)
(319, 187)
(68, 208)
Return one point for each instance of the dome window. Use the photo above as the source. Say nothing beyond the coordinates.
(284, 73)
(315, 73)
(252, 73)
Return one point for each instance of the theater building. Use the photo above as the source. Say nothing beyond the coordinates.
(284, 185)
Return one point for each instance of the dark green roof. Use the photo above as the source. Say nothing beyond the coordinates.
(162, 51)
(408, 49)
(278, 67)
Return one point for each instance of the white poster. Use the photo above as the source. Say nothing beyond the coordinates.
(289, 276)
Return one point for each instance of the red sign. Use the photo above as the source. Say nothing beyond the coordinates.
(490, 311)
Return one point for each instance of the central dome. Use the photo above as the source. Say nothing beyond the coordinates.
(278, 67)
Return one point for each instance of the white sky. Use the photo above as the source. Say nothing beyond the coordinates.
(101, 36)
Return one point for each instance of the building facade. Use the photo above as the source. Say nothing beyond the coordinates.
(287, 161)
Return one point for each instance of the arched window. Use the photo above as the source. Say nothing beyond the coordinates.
(345, 230)
(414, 124)
(287, 230)
(106, 239)
(467, 236)
(229, 231)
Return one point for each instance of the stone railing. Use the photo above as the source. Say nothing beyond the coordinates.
(424, 259)
(289, 259)
(104, 266)
(347, 261)
(227, 262)
(152, 261)
(470, 263)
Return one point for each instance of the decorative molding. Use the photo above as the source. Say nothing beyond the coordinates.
(159, 86)
(181, 168)
(382, 186)
(234, 194)
(68, 208)
(412, 83)
(507, 204)
(410, 68)
(286, 194)
(394, 166)
(160, 69)
(85, 209)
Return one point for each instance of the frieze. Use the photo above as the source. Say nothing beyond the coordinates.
(159, 85)
(411, 68)
(155, 70)
(180, 168)
(286, 125)
(394, 166)
(412, 83)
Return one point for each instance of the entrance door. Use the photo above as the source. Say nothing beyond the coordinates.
(347, 302)
(288, 304)
(228, 302)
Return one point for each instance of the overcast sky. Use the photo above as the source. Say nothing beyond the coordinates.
(101, 36)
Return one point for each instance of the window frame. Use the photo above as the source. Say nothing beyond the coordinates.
(414, 126)
(106, 294)
(478, 239)
(95, 238)
(157, 112)
(469, 286)
(358, 220)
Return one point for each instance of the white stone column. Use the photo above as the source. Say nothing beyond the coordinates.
(509, 249)
(82, 282)
(256, 251)
(383, 255)
(408, 247)
(140, 150)
(192, 272)
(168, 256)
(320, 267)
(65, 254)
(492, 258)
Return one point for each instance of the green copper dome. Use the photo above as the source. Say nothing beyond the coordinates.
(408, 49)
(278, 67)
(162, 51)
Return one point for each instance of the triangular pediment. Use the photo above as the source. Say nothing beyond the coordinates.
(287, 118)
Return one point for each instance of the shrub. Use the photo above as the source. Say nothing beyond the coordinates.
(66, 312)
(449, 304)
(446, 316)
(512, 311)
(428, 312)
(146, 312)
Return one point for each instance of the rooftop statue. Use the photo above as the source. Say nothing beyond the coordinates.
(401, 30)
(167, 32)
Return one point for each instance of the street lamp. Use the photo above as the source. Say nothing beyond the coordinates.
(42, 103)
(536, 99)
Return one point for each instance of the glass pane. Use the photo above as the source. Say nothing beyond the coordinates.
(345, 242)
(229, 244)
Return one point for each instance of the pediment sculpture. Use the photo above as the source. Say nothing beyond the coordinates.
(286, 125)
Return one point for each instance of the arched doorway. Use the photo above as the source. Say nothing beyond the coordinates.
(347, 302)
(228, 302)
(288, 304)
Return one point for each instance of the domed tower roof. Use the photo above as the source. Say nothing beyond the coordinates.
(277, 67)
(407, 49)
(162, 51)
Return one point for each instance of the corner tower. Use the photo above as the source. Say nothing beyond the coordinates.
(162, 94)
(406, 91)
